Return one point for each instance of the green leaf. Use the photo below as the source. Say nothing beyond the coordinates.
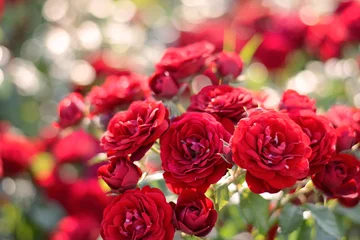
(98, 158)
(290, 218)
(248, 51)
(322, 235)
(325, 218)
(352, 213)
(255, 210)
(222, 197)
(305, 231)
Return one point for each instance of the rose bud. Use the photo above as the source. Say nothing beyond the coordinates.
(71, 110)
(184, 61)
(273, 149)
(293, 101)
(223, 102)
(163, 85)
(138, 214)
(346, 138)
(228, 64)
(194, 213)
(191, 152)
(134, 131)
(120, 175)
(340, 178)
(322, 137)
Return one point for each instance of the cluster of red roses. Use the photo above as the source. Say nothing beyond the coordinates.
(283, 32)
(223, 126)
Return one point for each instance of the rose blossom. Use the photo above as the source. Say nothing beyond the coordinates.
(293, 101)
(322, 137)
(71, 110)
(194, 213)
(340, 178)
(163, 84)
(138, 214)
(273, 149)
(134, 131)
(223, 101)
(185, 61)
(346, 138)
(120, 174)
(118, 91)
(190, 152)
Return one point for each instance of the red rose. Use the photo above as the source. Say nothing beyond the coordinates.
(340, 178)
(346, 138)
(16, 152)
(273, 149)
(223, 101)
(163, 85)
(190, 152)
(349, 13)
(194, 213)
(185, 61)
(134, 131)
(341, 115)
(120, 174)
(138, 214)
(274, 50)
(77, 147)
(71, 110)
(79, 227)
(118, 91)
(322, 138)
(293, 101)
(327, 37)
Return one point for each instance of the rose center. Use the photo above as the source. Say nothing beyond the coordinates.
(134, 224)
(192, 147)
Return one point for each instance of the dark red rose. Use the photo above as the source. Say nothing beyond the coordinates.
(326, 38)
(322, 137)
(138, 214)
(77, 147)
(194, 213)
(120, 174)
(185, 61)
(349, 13)
(293, 101)
(16, 152)
(346, 138)
(225, 66)
(118, 91)
(340, 178)
(274, 50)
(190, 152)
(273, 149)
(134, 131)
(163, 85)
(71, 110)
(79, 227)
(223, 101)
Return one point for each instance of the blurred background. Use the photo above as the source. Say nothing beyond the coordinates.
(50, 48)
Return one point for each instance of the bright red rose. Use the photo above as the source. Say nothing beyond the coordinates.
(293, 101)
(341, 115)
(349, 13)
(340, 178)
(346, 138)
(225, 66)
(77, 147)
(191, 150)
(120, 174)
(194, 213)
(71, 110)
(163, 85)
(273, 149)
(322, 137)
(184, 61)
(274, 50)
(79, 227)
(223, 101)
(16, 152)
(118, 91)
(326, 38)
(138, 214)
(134, 131)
